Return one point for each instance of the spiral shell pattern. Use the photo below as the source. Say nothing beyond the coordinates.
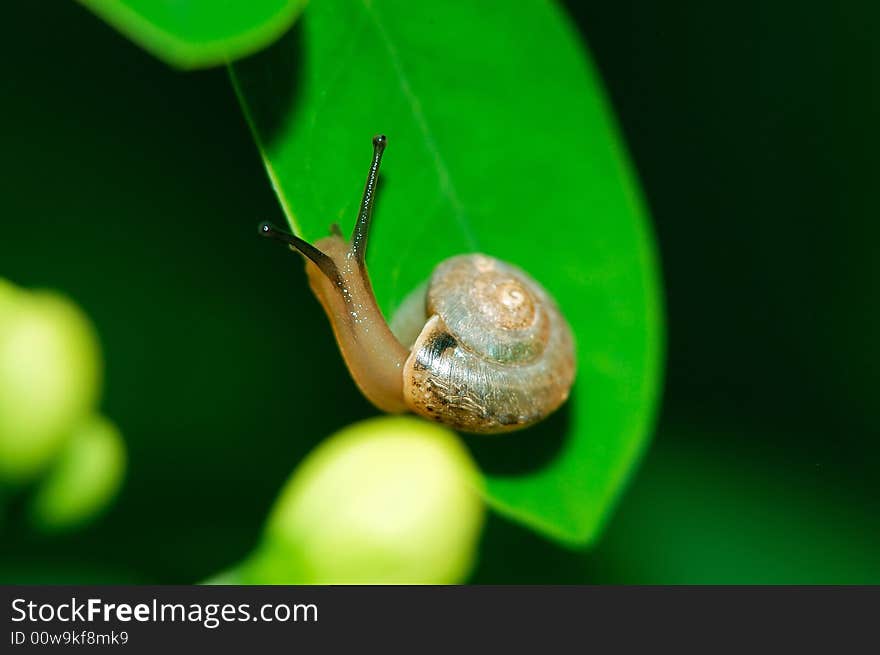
(495, 354)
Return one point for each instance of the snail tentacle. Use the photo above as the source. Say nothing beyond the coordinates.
(319, 258)
(365, 216)
(338, 277)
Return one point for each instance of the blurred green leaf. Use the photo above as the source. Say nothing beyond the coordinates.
(500, 141)
(199, 33)
(85, 478)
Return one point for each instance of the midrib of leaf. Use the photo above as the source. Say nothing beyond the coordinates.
(444, 178)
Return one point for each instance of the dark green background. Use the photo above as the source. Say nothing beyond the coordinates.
(136, 189)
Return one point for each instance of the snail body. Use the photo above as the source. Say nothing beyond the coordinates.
(493, 353)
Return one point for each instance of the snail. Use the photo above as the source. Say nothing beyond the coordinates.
(481, 347)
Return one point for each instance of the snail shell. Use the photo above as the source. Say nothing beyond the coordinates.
(495, 353)
(482, 347)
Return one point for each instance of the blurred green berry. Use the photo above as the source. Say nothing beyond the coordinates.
(233, 576)
(84, 478)
(8, 294)
(392, 500)
(50, 372)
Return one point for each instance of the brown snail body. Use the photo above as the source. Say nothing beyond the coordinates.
(482, 347)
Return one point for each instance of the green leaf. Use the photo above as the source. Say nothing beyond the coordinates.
(500, 141)
(199, 33)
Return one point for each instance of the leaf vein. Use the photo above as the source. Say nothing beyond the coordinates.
(445, 179)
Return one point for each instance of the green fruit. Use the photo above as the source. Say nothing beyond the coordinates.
(49, 377)
(83, 479)
(8, 295)
(392, 500)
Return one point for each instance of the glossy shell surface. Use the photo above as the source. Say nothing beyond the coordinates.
(495, 354)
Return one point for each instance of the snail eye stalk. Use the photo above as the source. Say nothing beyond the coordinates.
(322, 261)
(361, 231)
(362, 227)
